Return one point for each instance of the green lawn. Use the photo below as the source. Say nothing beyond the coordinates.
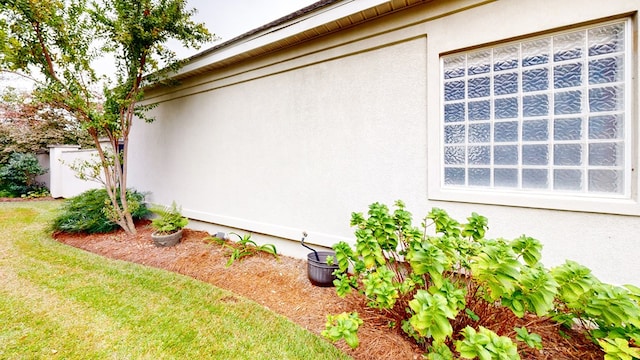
(57, 302)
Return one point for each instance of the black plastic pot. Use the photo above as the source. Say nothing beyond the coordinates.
(318, 271)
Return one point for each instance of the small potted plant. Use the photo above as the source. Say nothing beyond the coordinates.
(168, 225)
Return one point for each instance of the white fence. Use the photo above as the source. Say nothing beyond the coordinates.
(61, 179)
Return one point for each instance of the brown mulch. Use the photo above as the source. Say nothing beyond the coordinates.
(282, 286)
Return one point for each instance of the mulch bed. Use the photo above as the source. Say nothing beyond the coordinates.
(282, 286)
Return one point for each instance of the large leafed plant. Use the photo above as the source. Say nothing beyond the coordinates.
(444, 284)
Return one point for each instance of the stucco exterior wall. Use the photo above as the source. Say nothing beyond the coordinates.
(297, 140)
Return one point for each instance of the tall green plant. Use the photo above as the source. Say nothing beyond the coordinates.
(442, 281)
(63, 39)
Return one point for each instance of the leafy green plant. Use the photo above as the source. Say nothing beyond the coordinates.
(169, 219)
(445, 280)
(534, 341)
(330, 260)
(88, 212)
(18, 176)
(439, 351)
(343, 326)
(485, 345)
(431, 315)
(244, 247)
(618, 349)
(610, 312)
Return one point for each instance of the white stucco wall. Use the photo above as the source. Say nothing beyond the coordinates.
(297, 140)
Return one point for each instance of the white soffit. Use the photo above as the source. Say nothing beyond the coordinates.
(280, 32)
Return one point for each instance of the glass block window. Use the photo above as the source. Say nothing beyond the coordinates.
(546, 114)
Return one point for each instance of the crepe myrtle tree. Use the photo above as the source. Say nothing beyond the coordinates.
(59, 43)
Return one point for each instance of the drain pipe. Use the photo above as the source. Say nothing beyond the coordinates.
(304, 236)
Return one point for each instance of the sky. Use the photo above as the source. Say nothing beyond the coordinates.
(224, 18)
(230, 18)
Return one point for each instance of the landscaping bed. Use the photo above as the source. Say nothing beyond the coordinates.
(282, 286)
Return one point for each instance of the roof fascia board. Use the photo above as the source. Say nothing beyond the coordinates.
(290, 28)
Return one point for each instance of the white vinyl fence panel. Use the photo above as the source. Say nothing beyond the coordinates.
(64, 182)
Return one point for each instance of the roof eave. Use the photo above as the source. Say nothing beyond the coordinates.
(321, 13)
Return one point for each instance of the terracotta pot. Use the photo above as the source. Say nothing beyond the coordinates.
(167, 240)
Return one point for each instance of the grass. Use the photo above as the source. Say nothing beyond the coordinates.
(58, 302)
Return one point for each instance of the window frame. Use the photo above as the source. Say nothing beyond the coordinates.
(624, 203)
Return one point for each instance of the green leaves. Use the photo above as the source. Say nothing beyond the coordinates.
(344, 283)
(343, 326)
(496, 268)
(534, 341)
(245, 246)
(485, 345)
(614, 309)
(476, 227)
(438, 276)
(431, 315)
(344, 254)
(380, 289)
(611, 306)
(427, 259)
(368, 248)
(439, 351)
(535, 292)
(529, 248)
(169, 219)
(18, 176)
(87, 212)
(444, 223)
(618, 349)
(575, 281)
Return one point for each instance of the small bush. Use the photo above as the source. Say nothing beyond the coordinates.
(88, 212)
(18, 176)
(444, 284)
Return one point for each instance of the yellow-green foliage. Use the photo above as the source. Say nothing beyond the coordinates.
(446, 272)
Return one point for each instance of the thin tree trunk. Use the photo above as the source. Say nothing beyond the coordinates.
(112, 185)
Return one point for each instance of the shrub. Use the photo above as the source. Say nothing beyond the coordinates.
(443, 283)
(88, 212)
(18, 176)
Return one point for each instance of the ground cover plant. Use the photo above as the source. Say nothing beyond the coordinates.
(89, 212)
(459, 294)
(59, 302)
